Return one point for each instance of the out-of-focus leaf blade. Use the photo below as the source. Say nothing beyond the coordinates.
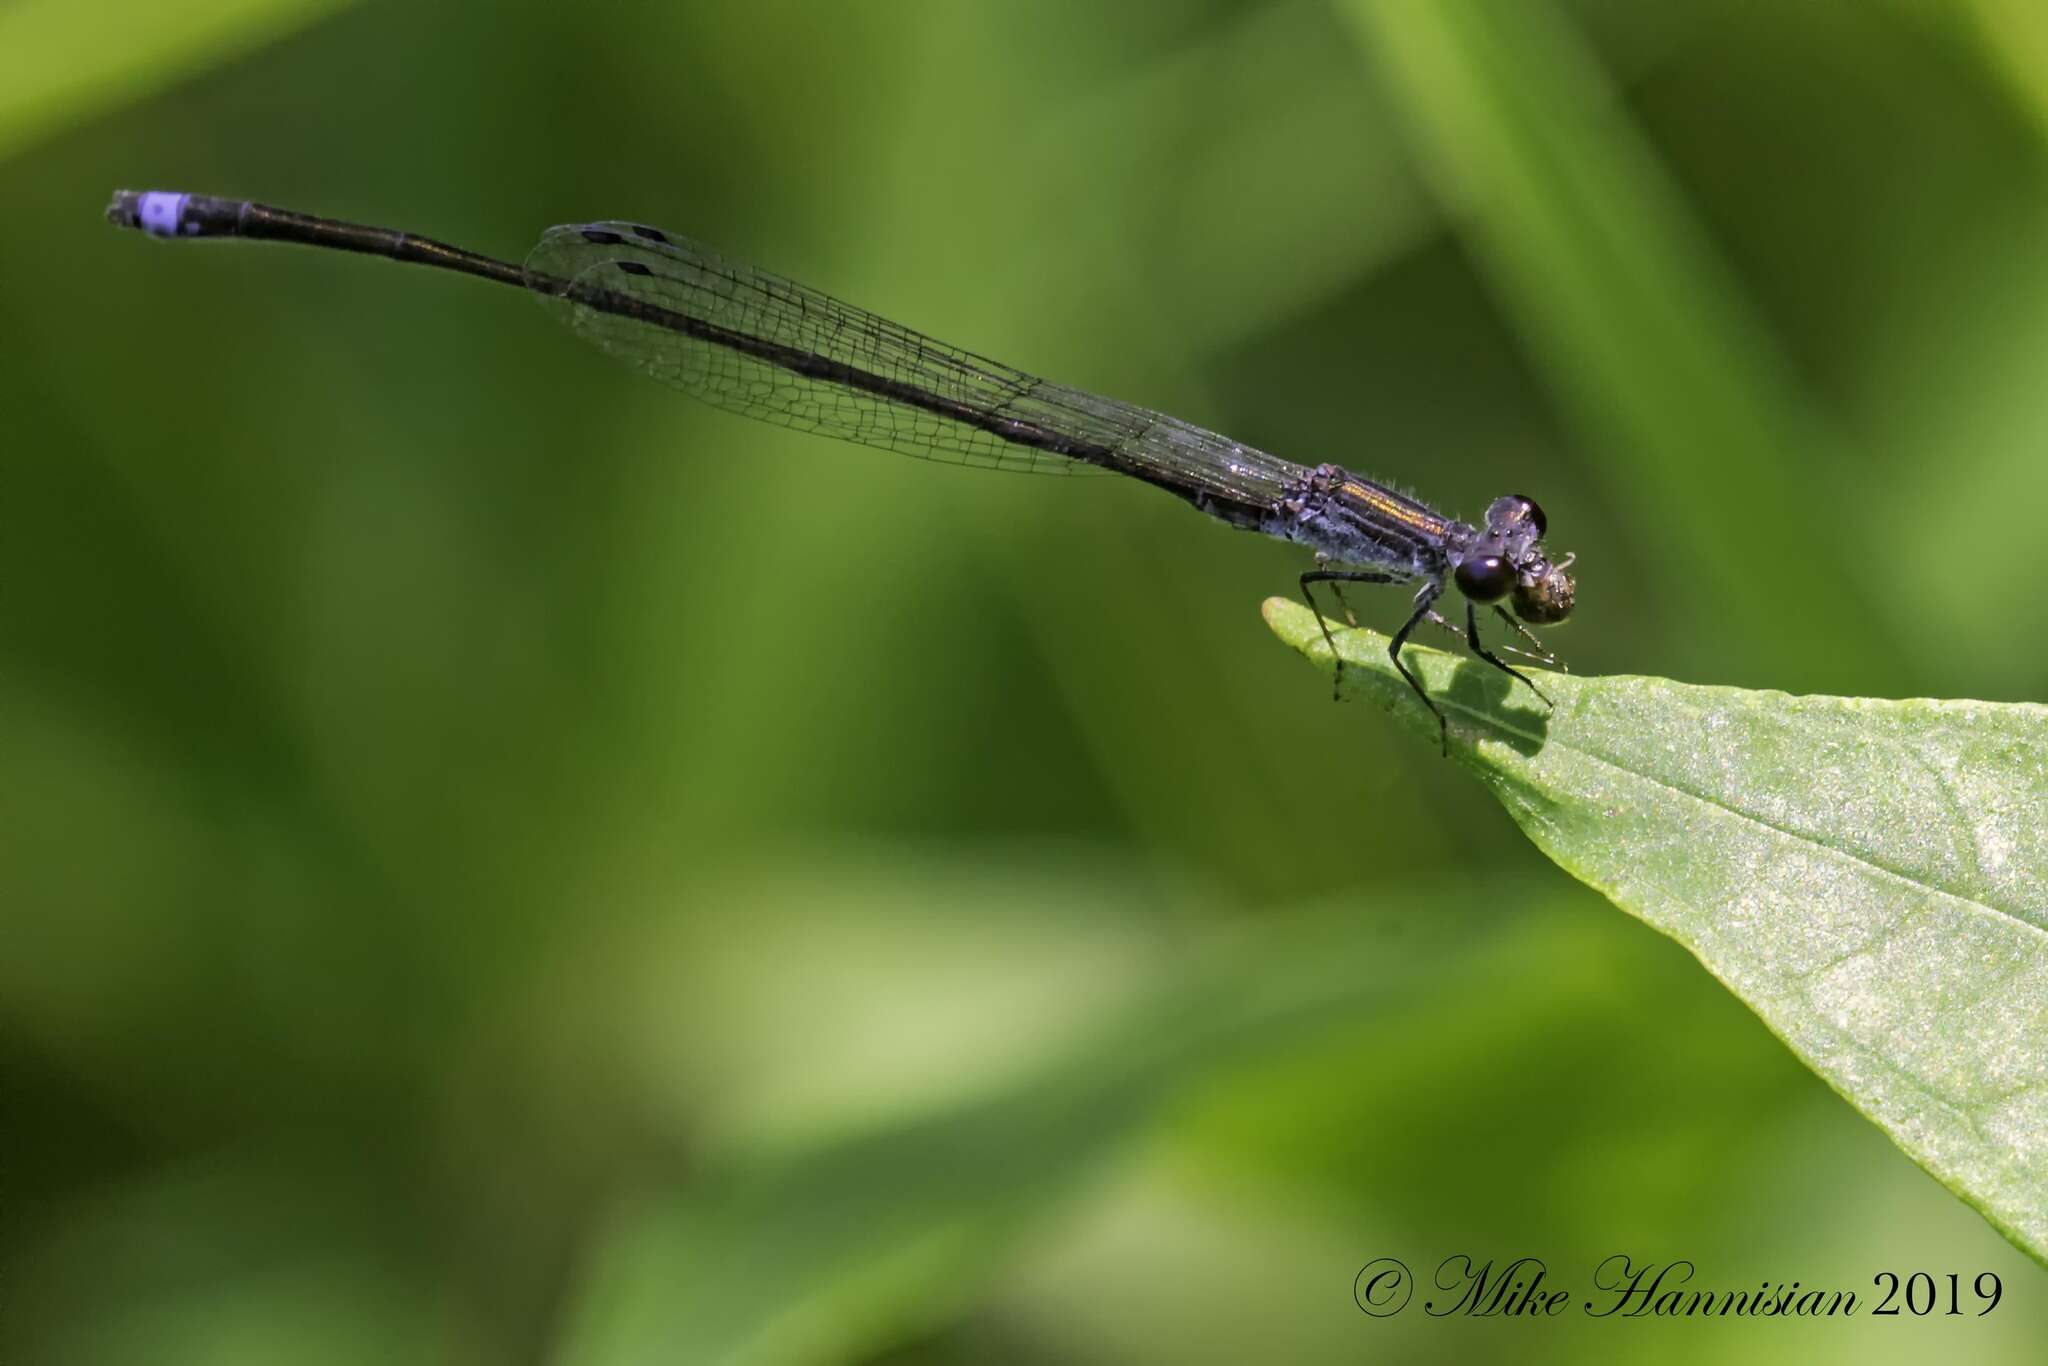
(838, 1249)
(1869, 876)
(2013, 36)
(61, 61)
(1621, 300)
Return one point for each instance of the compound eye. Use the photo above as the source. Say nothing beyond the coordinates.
(1514, 510)
(1531, 512)
(1485, 578)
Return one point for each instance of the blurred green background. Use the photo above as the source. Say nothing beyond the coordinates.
(502, 864)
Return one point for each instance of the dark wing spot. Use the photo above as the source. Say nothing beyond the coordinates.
(651, 234)
(633, 267)
(602, 237)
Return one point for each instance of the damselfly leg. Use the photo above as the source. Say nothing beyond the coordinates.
(1472, 639)
(1336, 577)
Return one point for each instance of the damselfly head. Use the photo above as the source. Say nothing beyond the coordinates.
(1506, 560)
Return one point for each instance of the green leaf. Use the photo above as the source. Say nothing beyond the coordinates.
(1869, 876)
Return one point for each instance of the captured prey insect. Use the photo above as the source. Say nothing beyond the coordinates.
(757, 344)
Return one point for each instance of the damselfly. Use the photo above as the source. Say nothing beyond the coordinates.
(758, 344)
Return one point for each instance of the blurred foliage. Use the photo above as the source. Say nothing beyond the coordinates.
(502, 864)
(61, 61)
